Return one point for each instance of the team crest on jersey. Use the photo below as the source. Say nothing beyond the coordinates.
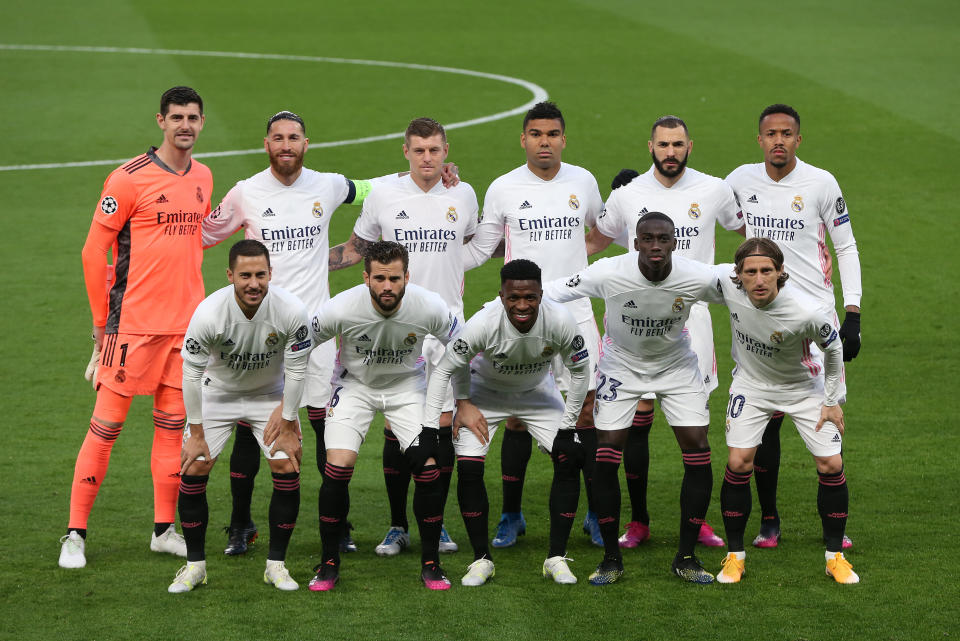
(192, 346)
(573, 202)
(317, 209)
(694, 211)
(574, 281)
(272, 339)
(199, 195)
(460, 347)
(776, 338)
(677, 306)
(108, 205)
(410, 339)
(547, 351)
(452, 214)
(797, 204)
(121, 376)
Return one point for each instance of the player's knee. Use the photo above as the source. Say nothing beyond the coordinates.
(111, 408)
(612, 438)
(829, 464)
(341, 458)
(741, 460)
(169, 400)
(281, 466)
(200, 468)
(692, 438)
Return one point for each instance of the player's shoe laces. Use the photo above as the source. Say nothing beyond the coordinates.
(169, 542)
(240, 538)
(635, 534)
(557, 569)
(733, 569)
(511, 525)
(278, 574)
(478, 572)
(71, 551)
(592, 527)
(433, 577)
(769, 536)
(840, 569)
(709, 538)
(347, 543)
(690, 569)
(447, 545)
(607, 572)
(395, 540)
(190, 576)
(328, 573)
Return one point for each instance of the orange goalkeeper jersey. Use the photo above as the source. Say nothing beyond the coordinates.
(151, 215)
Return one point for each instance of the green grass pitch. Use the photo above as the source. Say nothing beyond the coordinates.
(877, 88)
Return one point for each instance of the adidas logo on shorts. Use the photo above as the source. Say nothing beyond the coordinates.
(526, 205)
(630, 304)
(835, 439)
(403, 216)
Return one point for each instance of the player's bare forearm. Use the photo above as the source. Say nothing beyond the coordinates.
(347, 254)
(596, 242)
(288, 442)
(500, 251)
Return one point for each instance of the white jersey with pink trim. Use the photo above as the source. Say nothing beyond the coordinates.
(696, 203)
(432, 226)
(772, 346)
(643, 325)
(383, 351)
(292, 221)
(540, 220)
(797, 213)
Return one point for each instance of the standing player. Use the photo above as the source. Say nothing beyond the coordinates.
(540, 210)
(515, 339)
(648, 299)
(433, 223)
(149, 215)
(245, 351)
(797, 205)
(289, 208)
(696, 202)
(773, 330)
(381, 325)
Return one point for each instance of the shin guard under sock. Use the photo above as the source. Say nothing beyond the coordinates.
(694, 496)
(606, 496)
(194, 514)
(244, 465)
(735, 505)
(833, 499)
(396, 476)
(284, 508)
(333, 504)
(318, 421)
(514, 456)
(428, 510)
(474, 504)
(766, 466)
(564, 497)
(636, 465)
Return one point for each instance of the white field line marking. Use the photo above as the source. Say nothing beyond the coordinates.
(539, 94)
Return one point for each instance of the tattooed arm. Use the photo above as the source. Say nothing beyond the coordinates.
(348, 253)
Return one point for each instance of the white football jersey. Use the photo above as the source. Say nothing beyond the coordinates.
(797, 213)
(772, 345)
(540, 220)
(511, 361)
(431, 225)
(246, 356)
(383, 351)
(695, 203)
(643, 325)
(292, 221)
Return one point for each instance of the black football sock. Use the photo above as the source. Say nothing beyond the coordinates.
(318, 421)
(636, 465)
(766, 466)
(284, 508)
(244, 465)
(194, 514)
(445, 459)
(428, 510)
(588, 439)
(514, 456)
(735, 505)
(396, 476)
(474, 505)
(606, 497)
(694, 496)
(833, 499)
(160, 528)
(564, 497)
(333, 505)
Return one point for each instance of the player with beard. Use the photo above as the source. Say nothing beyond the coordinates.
(697, 203)
(381, 327)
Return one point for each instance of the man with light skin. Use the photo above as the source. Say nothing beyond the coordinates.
(797, 205)
(773, 329)
(433, 223)
(245, 351)
(697, 203)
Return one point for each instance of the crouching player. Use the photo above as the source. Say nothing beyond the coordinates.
(517, 337)
(380, 368)
(245, 351)
(774, 330)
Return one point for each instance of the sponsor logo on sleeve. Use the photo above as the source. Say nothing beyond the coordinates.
(841, 205)
(108, 205)
(830, 339)
(301, 333)
(825, 330)
(296, 347)
(841, 220)
(574, 281)
(460, 347)
(577, 342)
(579, 356)
(192, 346)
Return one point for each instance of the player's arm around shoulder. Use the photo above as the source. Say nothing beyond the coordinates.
(225, 220)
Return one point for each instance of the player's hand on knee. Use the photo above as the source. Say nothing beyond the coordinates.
(274, 423)
(193, 448)
(469, 416)
(287, 440)
(832, 414)
(450, 174)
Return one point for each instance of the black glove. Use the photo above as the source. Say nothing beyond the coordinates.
(625, 177)
(567, 443)
(425, 446)
(850, 335)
